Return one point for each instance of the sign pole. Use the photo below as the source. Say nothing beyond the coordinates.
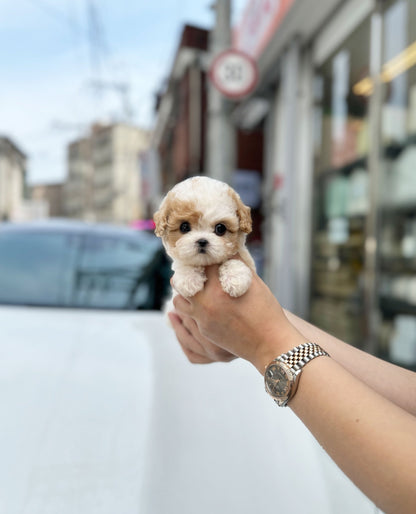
(220, 159)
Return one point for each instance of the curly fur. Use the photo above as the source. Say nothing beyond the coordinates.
(204, 204)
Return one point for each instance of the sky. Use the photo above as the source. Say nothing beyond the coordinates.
(54, 52)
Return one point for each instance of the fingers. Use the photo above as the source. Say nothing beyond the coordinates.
(185, 333)
(197, 348)
(182, 305)
(212, 285)
(212, 272)
(190, 346)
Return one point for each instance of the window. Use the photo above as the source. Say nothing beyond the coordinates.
(82, 270)
(341, 189)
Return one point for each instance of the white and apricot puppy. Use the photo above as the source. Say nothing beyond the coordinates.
(203, 221)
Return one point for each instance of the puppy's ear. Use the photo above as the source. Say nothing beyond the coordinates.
(160, 218)
(243, 213)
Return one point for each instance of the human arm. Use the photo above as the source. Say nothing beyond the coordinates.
(393, 382)
(370, 437)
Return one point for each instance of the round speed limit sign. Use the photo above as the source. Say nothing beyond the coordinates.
(234, 74)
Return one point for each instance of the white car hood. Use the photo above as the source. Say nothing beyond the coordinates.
(101, 413)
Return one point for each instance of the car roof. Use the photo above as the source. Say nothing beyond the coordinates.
(76, 227)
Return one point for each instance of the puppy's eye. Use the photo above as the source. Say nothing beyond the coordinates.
(220, 229)
(185, 227)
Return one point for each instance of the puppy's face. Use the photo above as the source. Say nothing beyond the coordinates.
(202, 221)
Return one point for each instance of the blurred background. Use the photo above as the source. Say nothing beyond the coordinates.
(307, 108)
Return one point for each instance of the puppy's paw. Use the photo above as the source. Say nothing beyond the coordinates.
(235, 277)
(188, 283)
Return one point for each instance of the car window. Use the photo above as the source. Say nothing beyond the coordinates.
(37, 268)
(82, 270)
(114, 272)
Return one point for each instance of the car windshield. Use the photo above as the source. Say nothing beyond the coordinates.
(87, 270)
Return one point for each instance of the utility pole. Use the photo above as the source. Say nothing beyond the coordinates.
(220, 160)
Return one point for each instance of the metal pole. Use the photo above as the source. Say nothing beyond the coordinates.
(285, 197)
(220, 139)
(371, 261)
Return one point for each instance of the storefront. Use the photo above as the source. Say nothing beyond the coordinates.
(363, 281)
(277, 34)
(340, 181)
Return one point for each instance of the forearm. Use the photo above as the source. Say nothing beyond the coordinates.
(351, 402)
(371, 439)
(394, 383)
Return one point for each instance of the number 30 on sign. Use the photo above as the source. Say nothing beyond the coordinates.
(234, 74)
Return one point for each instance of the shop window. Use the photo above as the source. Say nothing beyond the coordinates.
(343, 91)
(341, 118)
(397, 241)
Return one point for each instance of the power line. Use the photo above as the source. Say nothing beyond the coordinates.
(96, 36)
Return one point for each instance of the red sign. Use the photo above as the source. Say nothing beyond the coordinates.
(234, 74)
(260, 21)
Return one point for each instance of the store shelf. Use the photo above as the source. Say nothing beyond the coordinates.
(347, 294)
(405, 203)
(393, 150)
(396, 265)
(392, 306)
(390, 151)
(403, 208)
(346, 169)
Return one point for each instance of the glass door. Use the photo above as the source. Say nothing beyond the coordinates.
(397, 227)
(341, 184)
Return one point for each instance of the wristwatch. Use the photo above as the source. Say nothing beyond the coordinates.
(281, 377)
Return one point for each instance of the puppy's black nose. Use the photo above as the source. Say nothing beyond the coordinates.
(202, 243)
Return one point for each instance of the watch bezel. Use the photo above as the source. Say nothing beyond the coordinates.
(281, 399)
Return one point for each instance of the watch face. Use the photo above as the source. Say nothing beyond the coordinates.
(278, 380)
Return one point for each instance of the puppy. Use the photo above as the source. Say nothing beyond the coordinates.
(203, 221)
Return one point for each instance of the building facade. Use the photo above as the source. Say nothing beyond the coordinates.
(78, 185)
(12, 179)
(339, 188)
(181, 137)
(51, 195)
(104, 178)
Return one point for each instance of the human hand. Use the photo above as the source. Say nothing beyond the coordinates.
(252, 326)
(197, 348)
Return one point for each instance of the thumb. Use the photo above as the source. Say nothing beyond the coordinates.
(212, 282)
(211, 272)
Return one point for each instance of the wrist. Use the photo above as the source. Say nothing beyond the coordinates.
(279, 342)
(281, 377)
